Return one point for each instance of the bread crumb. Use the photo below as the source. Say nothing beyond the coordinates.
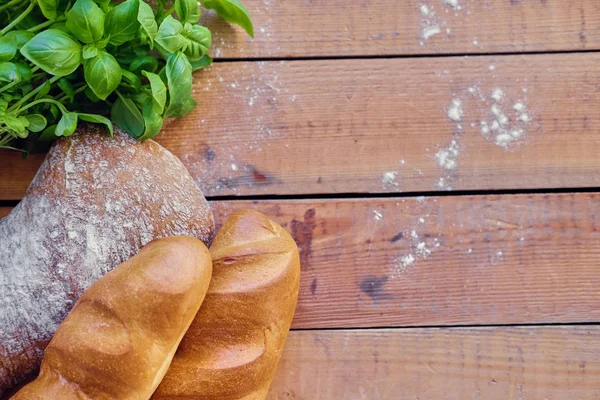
(377, 215)
(424, 9)
(492, 67)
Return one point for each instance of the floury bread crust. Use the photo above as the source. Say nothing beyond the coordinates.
(94, 203)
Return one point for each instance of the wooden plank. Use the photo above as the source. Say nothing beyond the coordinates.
(485, 363)
(376, 126)
(4, 211)
(308, 28)
(442, 261)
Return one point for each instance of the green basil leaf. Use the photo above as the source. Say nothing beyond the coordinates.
(101, 44)
(187, 10)
(97, 119)
(204, 62)
(132, 79)
(49, 134)
(179, 77)
(89, 51)
(169, 35)
(8, 49)
(19, 38)
(9, 72)
(25, 88)
(185, 108)
(139, 98)
(61, 26)
(24, 71)
(15, 124)
(127, 116)
(85, 21)
(144, 63)
(67, 124)
(53, 51)
(103, 74)
(91, 95)
(198, 39)
(104, 5)
(121, 22)
(152, 121)
(48, 8)
(159, 90)
(147, 19)
(54, 111)
(67, 88)
(231, 11)
(37, 122)
(44, 90)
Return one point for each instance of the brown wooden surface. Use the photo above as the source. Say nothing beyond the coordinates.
(305, 28)
(499, 260)
(374, 125)
(433, 364)
(338, 126)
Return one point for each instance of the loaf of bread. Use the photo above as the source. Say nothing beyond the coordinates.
(120, 337)
(93, 204)
(233, 346)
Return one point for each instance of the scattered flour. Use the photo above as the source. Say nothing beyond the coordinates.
(453, 3)
(431, 23)
(420, 248)
(447, 157)
(377, 215)
(455, 112)
(501, 127)
(388, 180)
(429, 31)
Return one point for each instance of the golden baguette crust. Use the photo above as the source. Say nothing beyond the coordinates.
(95, 202)
(233, 346)
(120, 337)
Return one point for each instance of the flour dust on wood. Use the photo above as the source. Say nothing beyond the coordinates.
(418, 243)
(435, 18)
(253, 90)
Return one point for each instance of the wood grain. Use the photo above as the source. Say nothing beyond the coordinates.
(309, 28)
(432, 364)
(443, 261)
(339, 126)
(484, 259)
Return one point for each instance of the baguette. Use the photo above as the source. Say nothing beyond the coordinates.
(93, 204)
(120, 337)
(233, 346)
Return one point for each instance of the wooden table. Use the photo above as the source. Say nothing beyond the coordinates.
(432, 269)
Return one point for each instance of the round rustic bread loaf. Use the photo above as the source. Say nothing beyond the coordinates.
(93, 204)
